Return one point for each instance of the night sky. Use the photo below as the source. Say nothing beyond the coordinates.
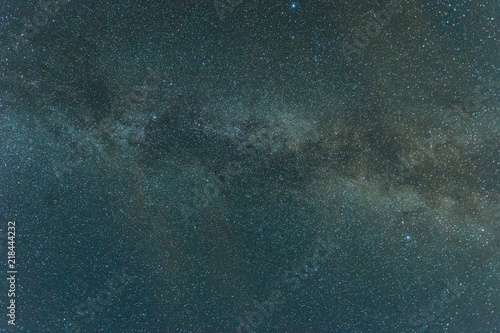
(315, 166)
